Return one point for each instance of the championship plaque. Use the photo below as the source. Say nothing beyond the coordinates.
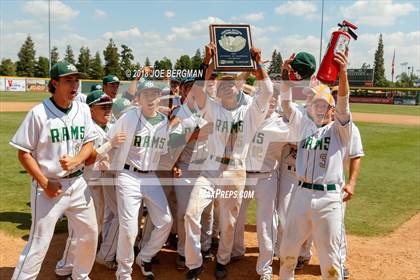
(233, 43)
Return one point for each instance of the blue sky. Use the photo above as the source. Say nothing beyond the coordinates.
(172, 28)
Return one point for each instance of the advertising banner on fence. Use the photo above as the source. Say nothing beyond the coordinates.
(37, 85)
(2, 84)
(15, 84)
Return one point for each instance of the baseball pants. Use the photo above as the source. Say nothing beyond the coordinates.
(132, 188)
(286, 187)
(265, 191)
(76, 203)
(319, 213)
(183, 188)
(205, 190)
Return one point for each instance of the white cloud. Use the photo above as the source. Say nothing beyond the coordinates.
(250, 17)
(169, 14)
(194, 29)
(20, 24)
(404, 44)
(59, 10)
(100, 13)
(133, 32)
(373, 13)
(297, 8)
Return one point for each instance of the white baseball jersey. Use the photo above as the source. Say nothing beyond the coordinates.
(81, 97)
(265, 149)
(321, 156)
(233, 130)
(48, 134)
(149, 141)
(356, 147)
(194, 150)
(92, 172)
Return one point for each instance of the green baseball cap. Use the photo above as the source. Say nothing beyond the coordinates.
(95, 87)
(98, 97)
(304, 64)
(63, 68)
(146, 84)
(121, 105)
(109, 79)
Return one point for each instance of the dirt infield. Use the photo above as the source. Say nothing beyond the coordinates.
(394, 256)
(358, 117)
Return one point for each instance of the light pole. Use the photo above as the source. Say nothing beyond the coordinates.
(322, 31)
(49, 35)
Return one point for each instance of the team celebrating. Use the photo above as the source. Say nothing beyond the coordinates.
(136, 172)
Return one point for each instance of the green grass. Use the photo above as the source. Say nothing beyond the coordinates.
(385, 109)
(387, 194)
(23, 96)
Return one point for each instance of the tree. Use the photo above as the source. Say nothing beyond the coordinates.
(54, 55)
(25, 66)
(127, 58)
(42, 67)
(112, 59)
(83, 61)
(69, 56)
(184, 62)
(96, 69)
(196, 60)
(276, 63)
(378, 68)
(147, 61)
(165, 63)
(7, 67)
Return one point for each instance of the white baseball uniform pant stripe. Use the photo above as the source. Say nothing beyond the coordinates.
(183, 188)
(77, 204)
(265, 195)
(108, 248)
(130, 192)
(318, 213)
(287, 185)
(229, 211)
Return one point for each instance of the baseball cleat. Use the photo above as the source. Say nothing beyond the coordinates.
(220, 271)
(266, 276)
(193, 274)
(180, 262)
(112, 265)
(346, 273)
(302, 261)
(146, 270)
(207, 255)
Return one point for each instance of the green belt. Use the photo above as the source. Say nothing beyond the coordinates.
(318, 187)
(227, 161)
(74, 174)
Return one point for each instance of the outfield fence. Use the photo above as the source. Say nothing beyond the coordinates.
(376, 95)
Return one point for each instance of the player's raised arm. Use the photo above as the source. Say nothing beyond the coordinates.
(285, 91)
(343, 108)
(198, 91)
(263, 81)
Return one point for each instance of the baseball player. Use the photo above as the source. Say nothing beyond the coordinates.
(317, 206)
(101, 187)
(110, 85)
(234, 126)
(261, 163)
(136, 161)
(355, 154)
(54, 140)
(190, 155)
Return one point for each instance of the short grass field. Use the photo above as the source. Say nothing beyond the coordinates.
(355, 107)
(387, 193)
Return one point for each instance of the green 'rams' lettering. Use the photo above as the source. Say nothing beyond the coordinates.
(149, 142)
(232, 127)
(258, 138)
(62, 134)
(312, 143)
